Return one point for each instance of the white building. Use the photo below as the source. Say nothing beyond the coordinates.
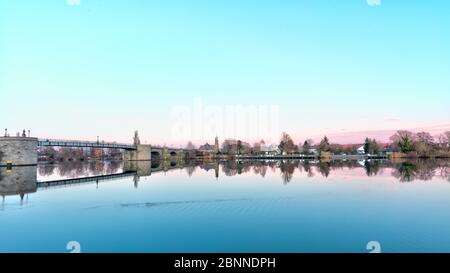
(270, 149)
(360, 150)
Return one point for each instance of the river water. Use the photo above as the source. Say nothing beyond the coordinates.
(248, 206)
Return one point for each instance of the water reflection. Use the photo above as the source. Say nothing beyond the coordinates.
(296, 206)
(404, 171)
(79, 169)
(18, 181)
(421, 170)
(24, 180)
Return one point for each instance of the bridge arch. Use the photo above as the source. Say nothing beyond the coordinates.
(155, 164)
(156, 155)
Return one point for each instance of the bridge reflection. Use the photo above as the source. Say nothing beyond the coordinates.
(23, 180)
(84, 180)
(18, 181)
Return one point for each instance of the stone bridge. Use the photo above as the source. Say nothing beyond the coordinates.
(22, 151)
(148, 152)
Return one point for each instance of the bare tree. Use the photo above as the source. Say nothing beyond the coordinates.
(425, 138)
(404, 140)
(424, 143)
(306, 147)
(423, 149)
(447, 139)
(287, 145)
(324, 145)
(256, 149)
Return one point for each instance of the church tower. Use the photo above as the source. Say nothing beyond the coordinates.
(216, 145)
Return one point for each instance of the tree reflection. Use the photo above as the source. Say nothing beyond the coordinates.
(404, 171)
(114, 166)
(324, 168)
(372, 167)
(308, 169)
(287, 169)
(260, 169)
(229, 168)
(426, 169)
(46, 170)
(421, 169)
(78, 169)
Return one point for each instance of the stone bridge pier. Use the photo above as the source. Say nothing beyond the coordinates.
(142, 168)
(21, 181)
(142, 153)
(18, 151)
(147, 153)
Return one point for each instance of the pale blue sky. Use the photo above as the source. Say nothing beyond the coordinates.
(109, 67)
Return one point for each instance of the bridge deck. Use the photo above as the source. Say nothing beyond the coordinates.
(92, 179)
(83, 144)
(83, 180)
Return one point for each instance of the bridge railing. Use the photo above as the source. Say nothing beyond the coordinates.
(94, 144)
(82, 180)
(82, 143)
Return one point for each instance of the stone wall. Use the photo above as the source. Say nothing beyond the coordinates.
(18, 180)
(142, 168)
(20, 150)
(142, 153)
(129, 155)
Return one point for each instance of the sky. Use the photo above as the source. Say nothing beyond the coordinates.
(173, 69)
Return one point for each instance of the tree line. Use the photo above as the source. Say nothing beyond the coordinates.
(422, 144)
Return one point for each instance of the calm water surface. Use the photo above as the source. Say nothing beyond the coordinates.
(275, 206)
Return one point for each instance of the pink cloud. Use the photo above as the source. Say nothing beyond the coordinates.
(351, 137)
